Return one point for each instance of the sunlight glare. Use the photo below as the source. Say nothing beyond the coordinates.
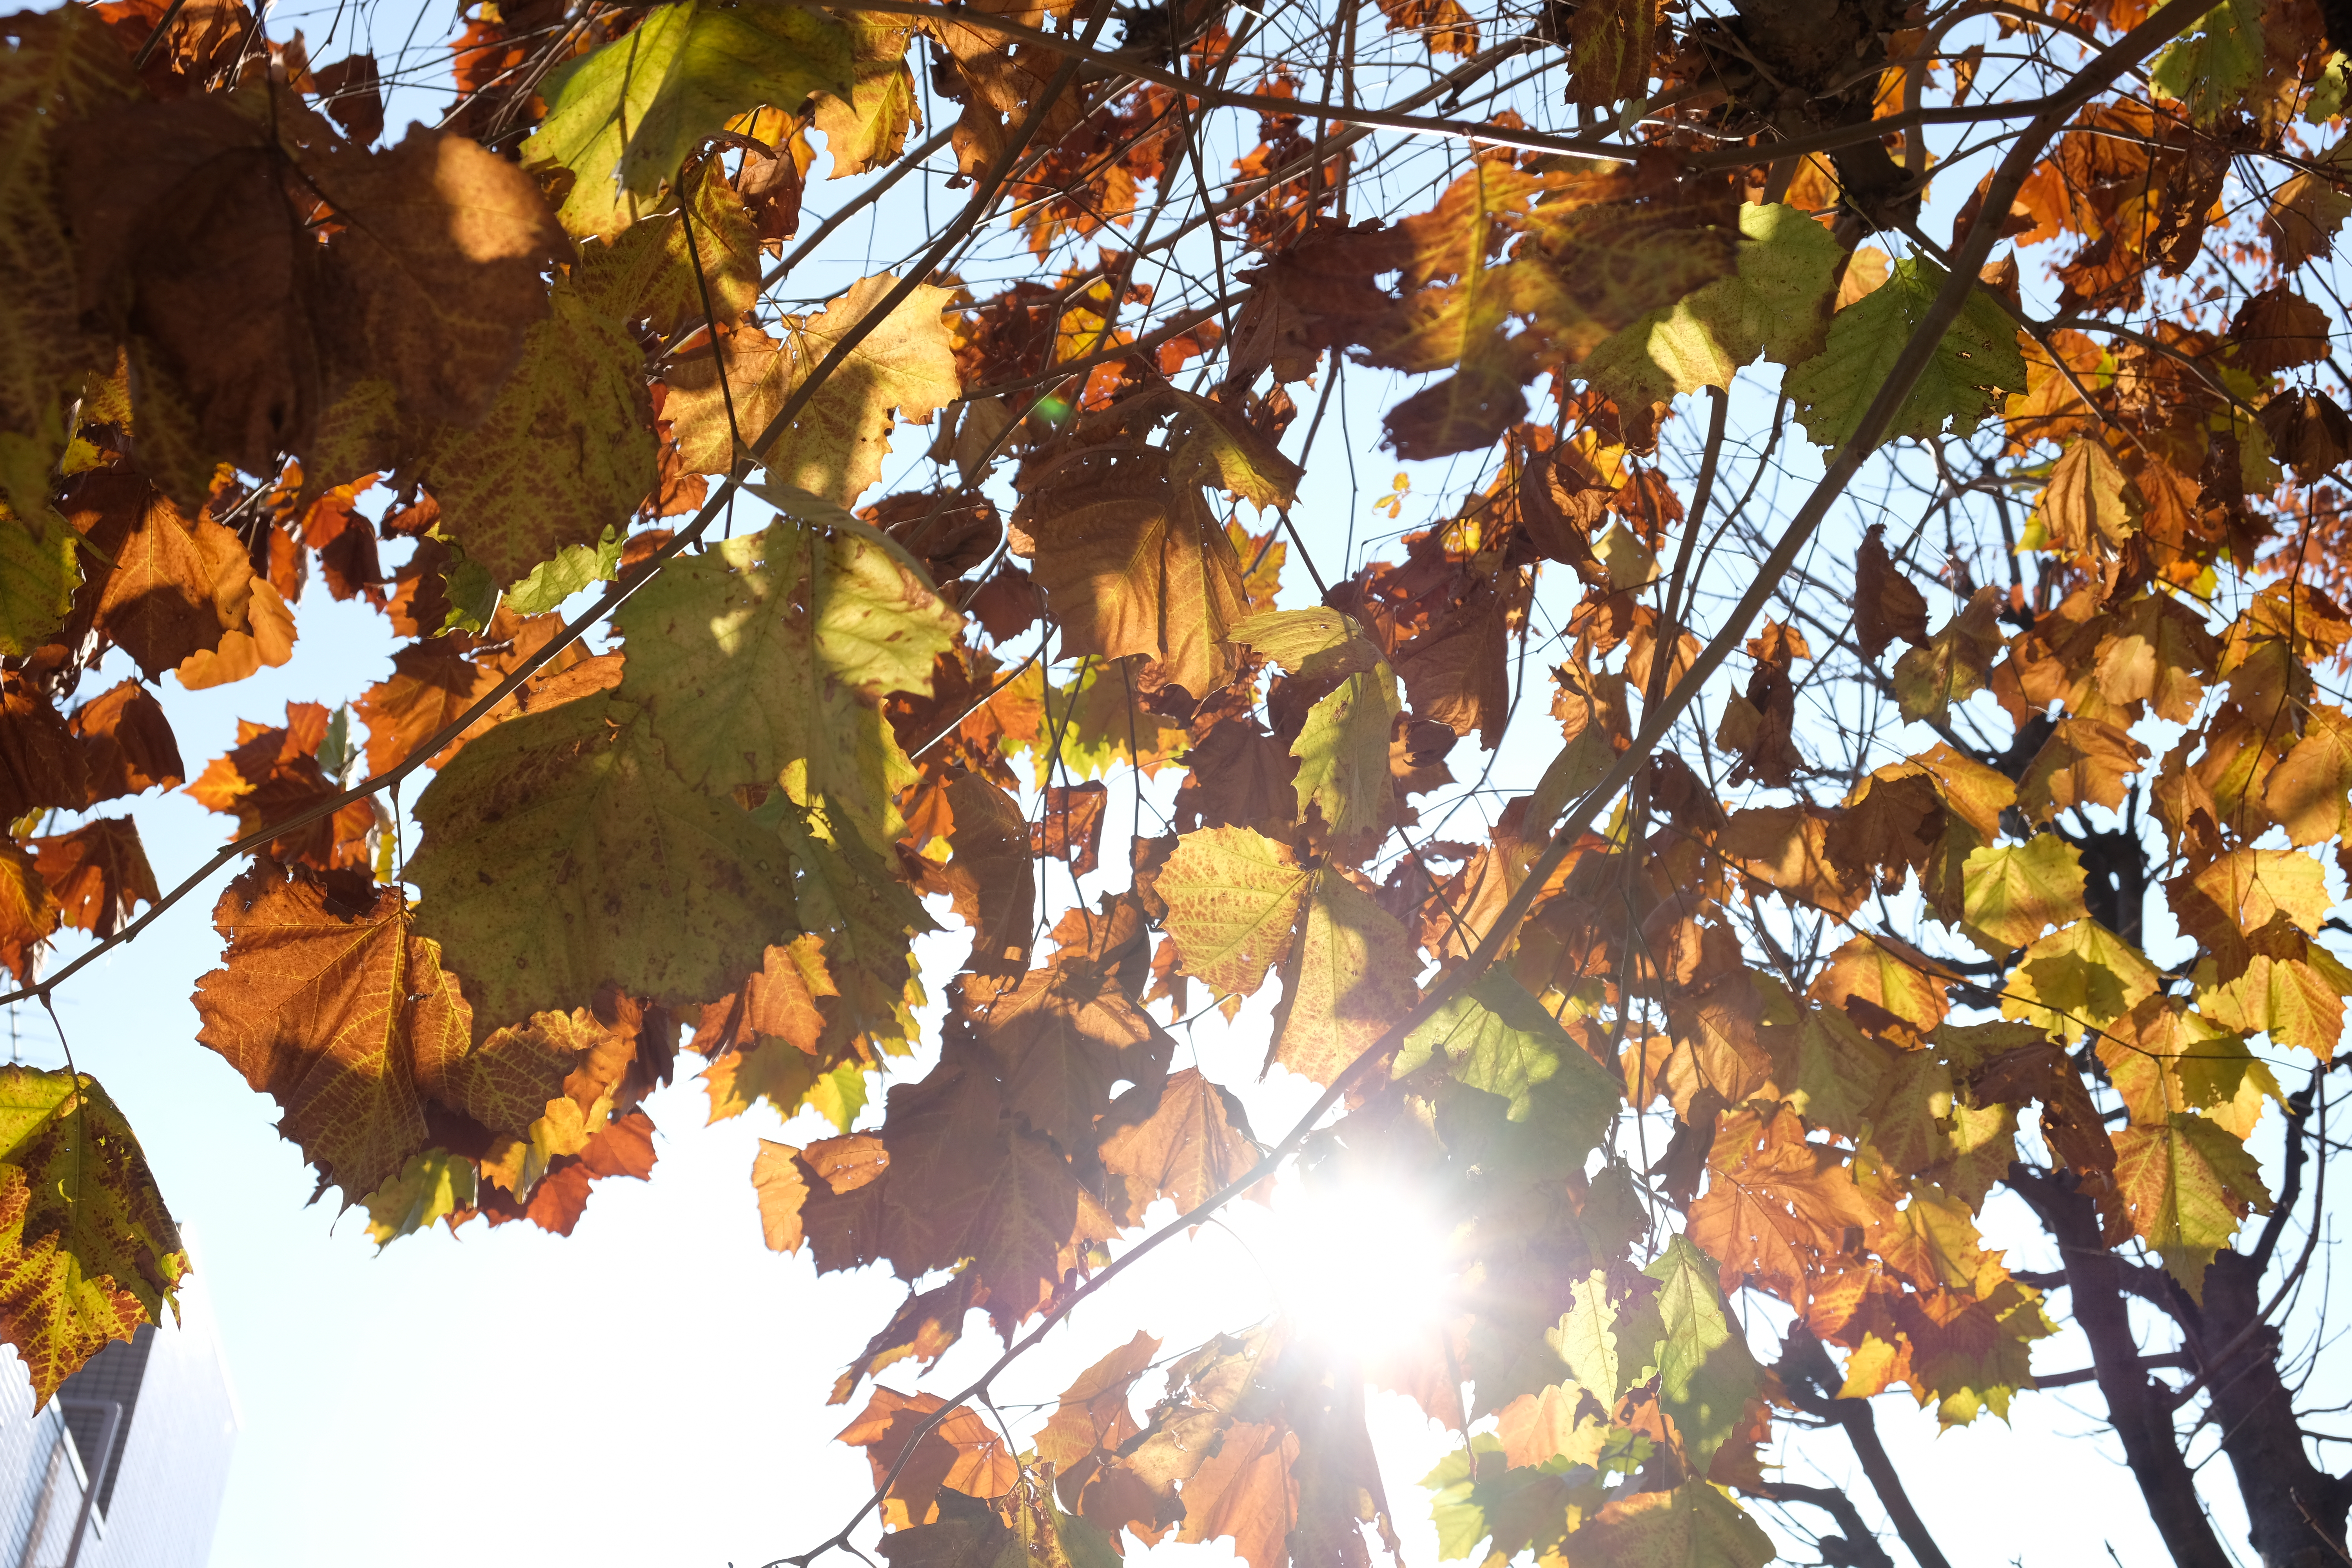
(1358, 1261)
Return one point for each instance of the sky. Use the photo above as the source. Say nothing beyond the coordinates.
(652, 1389)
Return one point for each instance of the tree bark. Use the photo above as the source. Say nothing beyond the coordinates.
(2139, 1408)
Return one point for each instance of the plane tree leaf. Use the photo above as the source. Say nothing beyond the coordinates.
(562, 850)
(623, 119)
(2016, 892)
(771, 656)
(329, 1002)
(1343, 747)
(2188, 1182)
(1498, 1039)
(903, 369)
(1972, 367)
(87, 1251)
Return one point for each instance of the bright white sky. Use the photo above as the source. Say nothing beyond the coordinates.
(652, 1391)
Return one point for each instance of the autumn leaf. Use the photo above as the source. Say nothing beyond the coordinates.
(1694, 1524)
(88, 1252)
(28, 911)
(867, 127)
(128, 743)
(565, 451)
(768, 659)
(649, 273)
(990, 878)
(1133, 562)
(2188, 1184)
(1501, 1041)
(2084, 509)
(335, 1007)
(62, 68)
(1974, 365)
(562, 850)
(1193, 1143)
(963, 1452)
(1233, 899)
(1063, 1038)
(177, 585)
(99, 873)
(2016, 892)
(623, 119)
(1343, 747)
(1950, 666)
(2080, 977)
(1777, 305)
(903, 369)
(2084, 763)
(1706, 1376)
(39, 570)
(1887, 606)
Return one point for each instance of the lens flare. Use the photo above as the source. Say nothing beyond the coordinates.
(1359, 1262)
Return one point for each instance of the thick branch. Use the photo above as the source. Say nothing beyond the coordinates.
(2138, 1408)
(1813, 1381)
(1857, 1548)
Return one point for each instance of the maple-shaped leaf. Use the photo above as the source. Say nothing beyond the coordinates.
(2080, 977)
(1343, 747)
(1777, 304)
(442, 249)
(1093, 1414)
(128, 743)
(2187, 1184)
(2309, 793)
(964, 1453)
(2156, 650)
(1133, 562)
(1975, 363)
(40, 766)
(1063, 1038)
(903, 369)
(2278, 329)
(565, 450)
(967, 1534)
(990, 878)
(430, 1187)
(2163, 1057)
(1833, 1073)
(1070, 824)
(1776, 1207)
(2084, 763)
(334, 1005)
(2224, 904)
(771, 654)
(1239, 903)
(1502, 1041)
(2016, 892)
(273, 772)
(623, 119)
(28, 911)
(1950, 666)
(2084, 509)
(61, 67)
(2299, 1003)
(562, 851)
(649, 274)
(176, 585)
(1788, 848)
(99, 873)
(1193, 1143)
(867, 127)
(87, 1251)
(2208, 70)
(1705, 1375)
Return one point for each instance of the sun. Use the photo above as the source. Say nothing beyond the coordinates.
(1358, 1261)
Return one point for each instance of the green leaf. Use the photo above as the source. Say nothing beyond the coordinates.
(1976, 363)
(575, 567)
(1777, 304)
(1587, 1340)
(1343, 747)
(1839, 1073)
(2083, 977)
(623, 119)
(39, 575)
(1705, 1375)
(1501, 1040)
(431, 1185)
(768, 659)
(87, 1250)
(562, 851)
(565, 452)
(2013, 892)
(649, 275)
(2210, 70)
(2187, 1184)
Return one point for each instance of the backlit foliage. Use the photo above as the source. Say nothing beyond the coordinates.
(1843, 734)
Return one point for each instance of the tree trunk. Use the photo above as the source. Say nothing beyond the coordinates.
(2138, 1407)
(2296, 1510)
